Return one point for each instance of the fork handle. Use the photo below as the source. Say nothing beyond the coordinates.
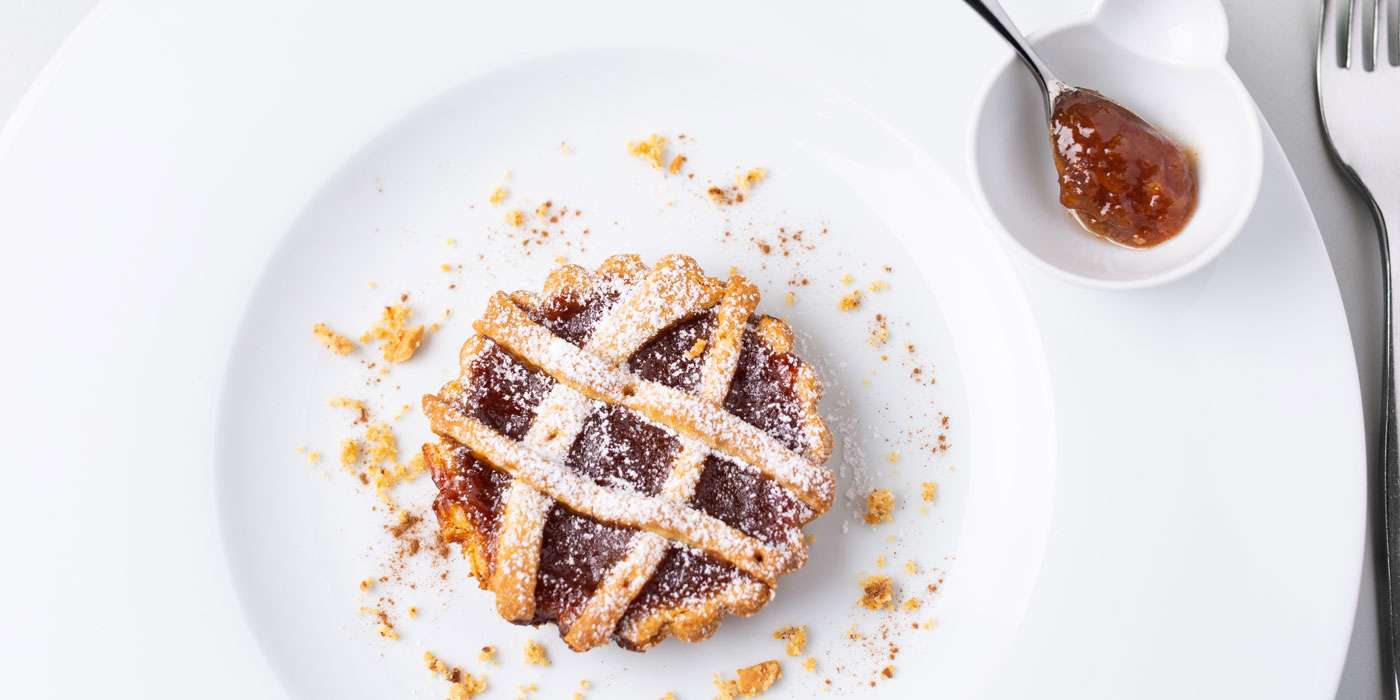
(1385, 206)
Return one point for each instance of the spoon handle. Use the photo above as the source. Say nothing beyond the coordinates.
(992, 12)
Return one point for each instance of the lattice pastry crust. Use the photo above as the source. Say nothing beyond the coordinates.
(631, 453)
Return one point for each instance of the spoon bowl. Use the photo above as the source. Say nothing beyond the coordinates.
(1168, 68)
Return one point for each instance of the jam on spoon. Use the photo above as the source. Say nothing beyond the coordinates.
(1120, 177)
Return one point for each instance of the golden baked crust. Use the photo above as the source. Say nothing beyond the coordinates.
(631, 453)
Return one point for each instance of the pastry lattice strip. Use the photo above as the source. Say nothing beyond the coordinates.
(606, 607)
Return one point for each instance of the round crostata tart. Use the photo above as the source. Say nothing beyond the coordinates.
(630, 454)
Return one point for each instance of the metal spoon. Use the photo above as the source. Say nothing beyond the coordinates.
(1050, 86)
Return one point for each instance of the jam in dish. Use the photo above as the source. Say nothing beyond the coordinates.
(1121, 178)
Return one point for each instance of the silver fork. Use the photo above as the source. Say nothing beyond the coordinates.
(1361, 121)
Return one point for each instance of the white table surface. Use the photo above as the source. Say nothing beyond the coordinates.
(1272, 48)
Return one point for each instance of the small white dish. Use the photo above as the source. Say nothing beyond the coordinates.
(1164, 61)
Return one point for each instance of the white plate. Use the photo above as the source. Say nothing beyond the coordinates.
(1192, 529)
(834, 173)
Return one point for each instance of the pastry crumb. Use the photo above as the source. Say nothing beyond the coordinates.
(796, 637)
(534, 654)
(850, 302)
(758, 678)
(846, 279)
(910, 567)
(912, 604)
(433, 663)
(361, 415)
(879, 333)
(789, 298)
(878, 286)
(887, 672)
(880, 561)
(676, 164)
(349, 452)
(930, 491)
(878, 592)
(515, 218)
(337, 343)
(382, 445)
(400, 341)
(385, 627)
(487, 654)
(810, 663)
(401, 346)
(650, 149)
(879, 506)
(467, 687)
(498, 195)
(695, 349)
(751, 177)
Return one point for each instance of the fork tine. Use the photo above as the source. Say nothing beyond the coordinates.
(1327, 46)
(1356, 36)
(1382, 33)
